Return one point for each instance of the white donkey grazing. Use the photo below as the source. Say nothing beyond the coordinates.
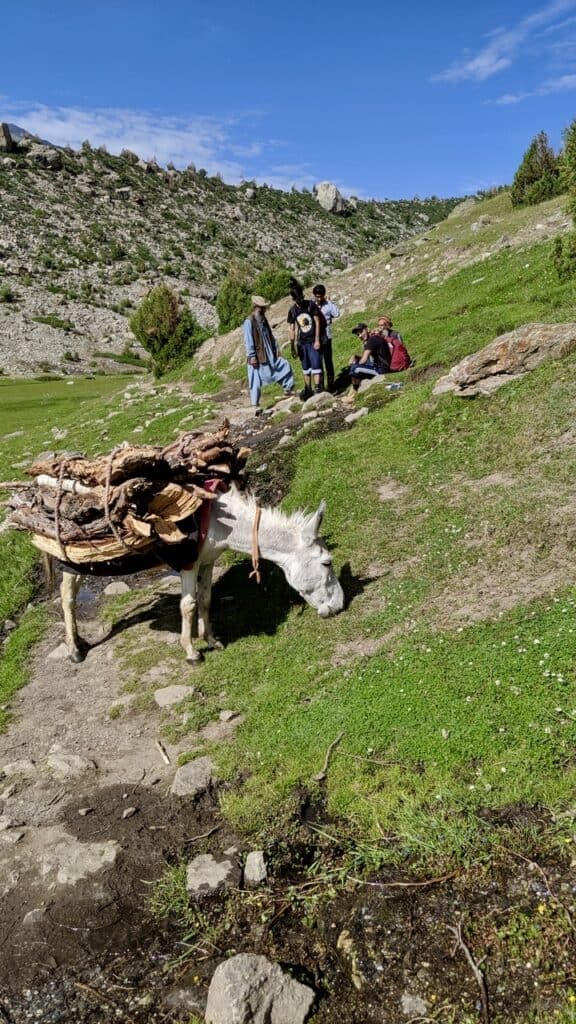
(237, 523)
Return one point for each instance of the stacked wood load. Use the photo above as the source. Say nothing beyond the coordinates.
(94, 510)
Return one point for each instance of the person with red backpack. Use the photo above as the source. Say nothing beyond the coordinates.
(399, 357)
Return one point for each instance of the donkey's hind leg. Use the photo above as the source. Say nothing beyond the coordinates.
(68, 591)
(204, 595)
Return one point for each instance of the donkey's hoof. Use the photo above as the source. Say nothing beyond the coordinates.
(195, 659)
(213, 644)
(76, 657)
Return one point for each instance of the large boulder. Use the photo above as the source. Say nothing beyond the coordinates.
(329, 197)
(7, 143)
(249, 988)
(507, 358)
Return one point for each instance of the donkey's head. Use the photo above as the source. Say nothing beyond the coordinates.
(309, 568)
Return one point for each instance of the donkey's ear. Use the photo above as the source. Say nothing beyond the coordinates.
(313, 524)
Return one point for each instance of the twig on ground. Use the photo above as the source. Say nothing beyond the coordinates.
(162, 751)
(140, 780)
(195, 839)
(383, 764)
(320, 776)
(479, 977)
(405, 885)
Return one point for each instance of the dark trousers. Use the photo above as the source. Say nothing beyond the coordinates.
(328, 360)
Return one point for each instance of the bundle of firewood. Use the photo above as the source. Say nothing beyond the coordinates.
(92, 510)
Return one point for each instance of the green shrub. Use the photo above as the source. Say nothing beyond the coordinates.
(233, 302)
(273, 281)
(7, 294)
(166, 329)
(54, 321)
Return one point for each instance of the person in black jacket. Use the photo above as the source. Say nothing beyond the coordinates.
(305, 327)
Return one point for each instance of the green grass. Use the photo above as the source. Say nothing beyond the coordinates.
(15, 659)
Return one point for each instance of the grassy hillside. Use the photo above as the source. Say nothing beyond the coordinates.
(451, 672)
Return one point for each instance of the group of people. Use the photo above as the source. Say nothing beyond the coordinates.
(310, 331)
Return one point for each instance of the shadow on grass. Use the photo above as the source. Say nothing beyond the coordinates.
(240, 606)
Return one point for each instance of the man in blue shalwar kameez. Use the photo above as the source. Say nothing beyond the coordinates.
(265, 365)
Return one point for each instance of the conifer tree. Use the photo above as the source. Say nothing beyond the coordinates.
(538, 176)
(564, 251)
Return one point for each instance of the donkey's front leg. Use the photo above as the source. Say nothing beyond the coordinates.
(188, 604)
(204, 596)
(68, 591)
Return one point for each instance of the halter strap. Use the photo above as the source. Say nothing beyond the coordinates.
(255, 550)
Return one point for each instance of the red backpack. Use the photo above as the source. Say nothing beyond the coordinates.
(399, 357)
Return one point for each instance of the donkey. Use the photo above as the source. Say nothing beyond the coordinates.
(236, 523)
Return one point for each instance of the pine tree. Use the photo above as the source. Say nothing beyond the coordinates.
(564, 251)
(538, 176)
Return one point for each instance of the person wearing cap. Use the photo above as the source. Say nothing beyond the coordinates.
(330, 312)
(265, 364)
(375, 358)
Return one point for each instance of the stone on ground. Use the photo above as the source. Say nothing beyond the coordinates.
(251, 988)
(329, 197)
(116, 587)
(193, 778)
(353, 416)
(208, 874)
(59, 653)
(68, 766)
(170, 695)
(255, 869)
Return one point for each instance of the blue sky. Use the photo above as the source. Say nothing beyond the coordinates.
(408, 99)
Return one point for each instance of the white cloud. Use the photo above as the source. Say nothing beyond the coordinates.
(561, 84)
(505, 45)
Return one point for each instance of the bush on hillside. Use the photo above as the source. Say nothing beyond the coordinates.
(166, 329)
(273, 281)
(538, 176)
(233, 302)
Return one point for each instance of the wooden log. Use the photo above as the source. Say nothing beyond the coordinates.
(91, 551)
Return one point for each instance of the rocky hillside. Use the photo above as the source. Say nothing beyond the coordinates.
(84, 235)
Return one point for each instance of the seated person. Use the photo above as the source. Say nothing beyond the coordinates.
(375, 358)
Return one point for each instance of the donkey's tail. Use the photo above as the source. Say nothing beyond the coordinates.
(49, 563)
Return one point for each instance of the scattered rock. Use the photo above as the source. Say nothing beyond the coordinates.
(70, 861)
(129, 812)
(316, 401)
(84, 811)
(68, 766)
(507, 358)
(251, 988)
(170, 695)
(116, 587)
(6, 822)
(59, 653)
(353, 416)
(219, 732)
(413, 1006)
(22, 767)
(208, 874)
(193, 778)
(227, 716)
(284, 440)
(345, 945)
(255, 872)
